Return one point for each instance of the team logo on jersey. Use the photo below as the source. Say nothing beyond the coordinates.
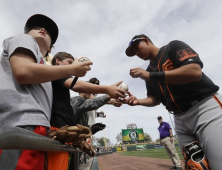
(168, 65)
(186, 53)
(133, 135)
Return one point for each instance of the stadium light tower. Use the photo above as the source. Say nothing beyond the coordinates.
(108, 135)
(104, 136)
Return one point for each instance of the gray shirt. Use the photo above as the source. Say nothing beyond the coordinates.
(81, 106)
(22, 104)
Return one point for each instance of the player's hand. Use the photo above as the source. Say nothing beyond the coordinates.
(131, 100)
(171, 139)
(115, 102)
(79, 69)
(115, 92)
(140, 73)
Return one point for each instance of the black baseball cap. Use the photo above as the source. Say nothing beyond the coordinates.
(159, 117)
(45, 22)
(135, 40)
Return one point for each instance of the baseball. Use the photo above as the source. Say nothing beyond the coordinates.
(83, 59)
(123, 86)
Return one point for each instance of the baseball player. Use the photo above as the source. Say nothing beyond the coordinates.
(175, 79)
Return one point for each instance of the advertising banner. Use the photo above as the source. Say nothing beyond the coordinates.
(132, 135)
(138, 147)
(122, 148)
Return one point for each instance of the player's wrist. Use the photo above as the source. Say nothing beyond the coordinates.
(147, 78)
(158, 76)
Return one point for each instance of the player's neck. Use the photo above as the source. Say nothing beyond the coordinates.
(154, 53)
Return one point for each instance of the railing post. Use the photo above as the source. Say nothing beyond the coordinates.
(76, 160)
(85, 158)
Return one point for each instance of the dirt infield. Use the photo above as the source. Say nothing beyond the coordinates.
(120, 162)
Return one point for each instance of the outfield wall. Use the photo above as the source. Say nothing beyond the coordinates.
(134, 147)
(140, 147)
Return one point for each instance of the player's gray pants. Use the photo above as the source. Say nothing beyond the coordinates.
(203, 122)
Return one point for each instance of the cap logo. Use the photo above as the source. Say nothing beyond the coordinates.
(132, 41)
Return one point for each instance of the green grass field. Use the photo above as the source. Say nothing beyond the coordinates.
(152, 153)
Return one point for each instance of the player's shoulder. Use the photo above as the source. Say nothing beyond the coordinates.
(175, 42)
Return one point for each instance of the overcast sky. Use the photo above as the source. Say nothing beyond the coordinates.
(101, 31)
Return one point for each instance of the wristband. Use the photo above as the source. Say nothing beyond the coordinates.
(159, 76)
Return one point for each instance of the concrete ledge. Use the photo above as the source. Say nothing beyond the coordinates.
(95, 165)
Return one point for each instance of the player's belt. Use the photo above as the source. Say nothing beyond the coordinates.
(180, 111)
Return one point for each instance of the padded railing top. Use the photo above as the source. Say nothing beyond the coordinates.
(22, 139)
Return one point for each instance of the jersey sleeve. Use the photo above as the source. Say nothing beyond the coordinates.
(183, 54)
(22, 41)
(60, 82)
(149, 89)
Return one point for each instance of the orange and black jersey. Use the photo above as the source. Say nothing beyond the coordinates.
(178, 97)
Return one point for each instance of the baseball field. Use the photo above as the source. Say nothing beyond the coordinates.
(147, 159)
(152, 153)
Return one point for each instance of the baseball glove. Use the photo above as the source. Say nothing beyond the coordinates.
(97, 127)
(194, 157)
(74, 135)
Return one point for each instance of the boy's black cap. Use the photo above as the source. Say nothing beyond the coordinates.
(45, 22)
(159, 117)
(135, 40)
